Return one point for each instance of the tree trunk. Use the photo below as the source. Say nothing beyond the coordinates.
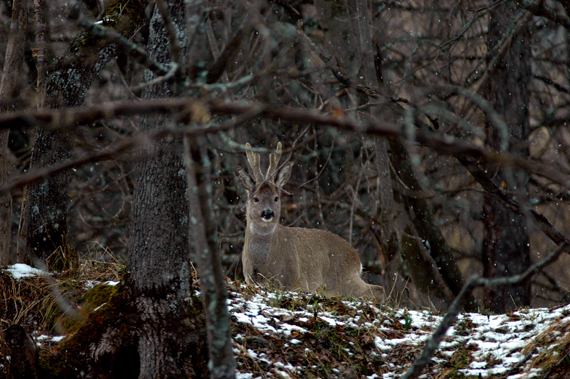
(43, 227)
(153, 326)
(424, 221)
(506, 249)
(212, 278)
(9, 86)
(372, 70)
(159, 270)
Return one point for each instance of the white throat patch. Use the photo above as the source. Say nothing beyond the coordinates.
(261, 231)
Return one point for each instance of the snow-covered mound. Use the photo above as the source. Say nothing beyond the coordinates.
(290, 335)
(302, 336)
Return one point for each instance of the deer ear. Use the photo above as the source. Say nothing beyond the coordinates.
(244, 179)
(284, 175)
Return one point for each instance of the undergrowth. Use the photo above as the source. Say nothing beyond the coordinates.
(323, 349)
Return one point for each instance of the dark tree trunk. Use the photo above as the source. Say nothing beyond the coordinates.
(8, 87)
(425, 224)
(154, 325)
(372, 69)
(43, 228)
(506, 249)
(158, 269)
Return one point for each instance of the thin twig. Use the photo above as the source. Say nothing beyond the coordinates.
(110, 35)
(539, 8)
(40, 52)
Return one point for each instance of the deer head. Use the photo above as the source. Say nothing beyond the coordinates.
(264, 192)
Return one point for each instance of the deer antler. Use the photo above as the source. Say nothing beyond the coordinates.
(273, 163)
(253, 159)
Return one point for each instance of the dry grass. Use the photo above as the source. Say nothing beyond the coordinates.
(35, 302)
(554, 358)
(52, 304)
(21, 301)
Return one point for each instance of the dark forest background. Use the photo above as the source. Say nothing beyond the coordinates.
(492, 75)
(432, 135)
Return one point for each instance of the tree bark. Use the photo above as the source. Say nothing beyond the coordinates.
(8, 86)
(158, 268)
(43, 227)
(506, 250)
(212, 279)
(373, 78)
(203, 229)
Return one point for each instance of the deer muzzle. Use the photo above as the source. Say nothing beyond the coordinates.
(267, 215)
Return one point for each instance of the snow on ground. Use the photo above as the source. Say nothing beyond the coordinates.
(496, 345)
(92, 283)
(21, 270)
(44, 338)
(289, 335)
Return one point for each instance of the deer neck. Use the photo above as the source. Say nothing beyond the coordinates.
(259, 239)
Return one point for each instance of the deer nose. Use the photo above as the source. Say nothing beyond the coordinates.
(267, 215)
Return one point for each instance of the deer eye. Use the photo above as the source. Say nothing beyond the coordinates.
(276, 199)
(255, 199)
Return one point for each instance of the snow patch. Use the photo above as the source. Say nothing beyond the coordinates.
(21, 270)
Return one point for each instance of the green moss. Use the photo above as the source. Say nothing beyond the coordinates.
(97, 296)
(465, 326)
(461, 359)
(74, 352)
(53, 319)
(124, 16)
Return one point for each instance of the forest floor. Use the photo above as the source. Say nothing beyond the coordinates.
(290, 335)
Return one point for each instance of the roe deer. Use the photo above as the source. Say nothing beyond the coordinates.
(293, 258)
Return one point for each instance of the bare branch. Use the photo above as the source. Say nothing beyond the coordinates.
(489, 186)
(44, 172)
(444, 144)
(230, 51)
(539, 8)
(113, 152)
(40, 52)
(212, 279)
(8, 87)
(138, 54)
